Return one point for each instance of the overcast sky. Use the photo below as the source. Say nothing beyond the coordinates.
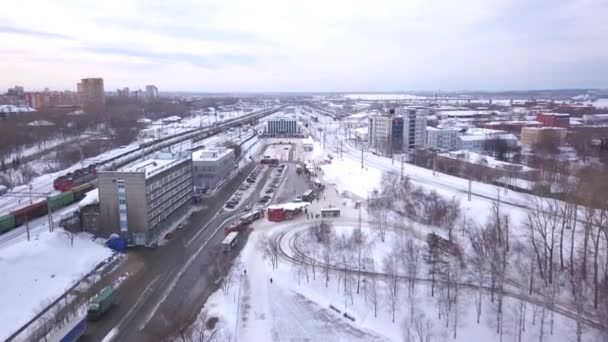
(313, 45)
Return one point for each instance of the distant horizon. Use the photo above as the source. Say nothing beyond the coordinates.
(402, 92)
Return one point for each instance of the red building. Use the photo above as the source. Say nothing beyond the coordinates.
(554, 119)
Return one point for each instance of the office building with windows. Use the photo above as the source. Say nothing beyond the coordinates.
(400, 131)
(211, 167)
(282, 126)
(442, 138)
(91, 93)
(139, 201)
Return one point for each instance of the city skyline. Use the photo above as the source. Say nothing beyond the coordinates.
(316, 46)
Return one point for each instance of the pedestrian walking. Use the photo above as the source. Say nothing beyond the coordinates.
(245, 272)
(271, 280)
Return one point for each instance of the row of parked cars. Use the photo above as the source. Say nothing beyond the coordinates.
(274, 183)
(234, 201)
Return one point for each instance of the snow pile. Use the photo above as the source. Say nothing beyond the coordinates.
(37, 272)
(91, 197)
(348, 175)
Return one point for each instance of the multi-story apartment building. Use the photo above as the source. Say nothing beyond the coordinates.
(442, 138)
(46, 99)
(151, 92)
(379, 131)
(554, 119)
(212, 166)
(139, 201)
(92, 94)
(414, 127)
(531, 136)
(400, 131)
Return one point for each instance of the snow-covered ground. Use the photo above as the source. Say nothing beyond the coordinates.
(348, 175)
(36, 272)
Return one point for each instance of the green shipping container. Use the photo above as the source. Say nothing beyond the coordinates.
(7, 222)
(61, 200)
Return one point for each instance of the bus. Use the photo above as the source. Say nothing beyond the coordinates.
(331, 212)
(230, 242)
(308, 196)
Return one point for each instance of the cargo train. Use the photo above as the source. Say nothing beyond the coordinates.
(38, 209)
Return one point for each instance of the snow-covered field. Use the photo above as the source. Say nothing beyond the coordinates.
(36, 272)
(348, 175)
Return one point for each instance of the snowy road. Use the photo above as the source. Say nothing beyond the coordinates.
(274, 312)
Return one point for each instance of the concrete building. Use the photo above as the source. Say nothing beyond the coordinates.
(414, 127)
(379, 128)
(283, 125)
(212, 166)
(47, 99)
(554, 119)
(531, 136)
(473, 139)
(442, 138)
(124, 92)
(400, 131)
(15, 91)
(139, 201)
(92, 94)
(595, 119)
(151, 92)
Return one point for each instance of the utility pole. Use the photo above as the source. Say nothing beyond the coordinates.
(340, 149)
(470, 186)
(402, 166)
(362, 155)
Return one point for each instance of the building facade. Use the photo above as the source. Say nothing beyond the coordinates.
(151, 92)
(282, 126)
(379, 130)
(414, 127)
(400, 131)
(442, 138)
(531, 136)
(212, 166)
(554, 119)
(91, 94)
(474, 139)
(139, 201)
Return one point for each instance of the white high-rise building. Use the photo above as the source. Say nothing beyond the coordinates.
(400, 131)
(414, 127)
(379, 130)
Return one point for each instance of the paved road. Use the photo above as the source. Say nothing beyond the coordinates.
(175, 280)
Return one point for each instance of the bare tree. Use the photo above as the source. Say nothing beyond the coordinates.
(270, 250)
(206, 330)
(452, 213)
(379, 208)
(391, 269)
(420, 329)
(361, 245)
(71, 236)
(371, 288)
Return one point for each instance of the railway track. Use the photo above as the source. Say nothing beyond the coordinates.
(118, 160)
(299, 257)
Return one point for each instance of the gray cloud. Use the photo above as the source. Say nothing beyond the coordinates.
(177, 30)
(33, 33)
(204, 61)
